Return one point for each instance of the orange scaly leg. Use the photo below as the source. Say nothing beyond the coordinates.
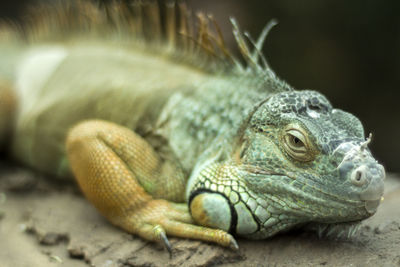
(124, 178)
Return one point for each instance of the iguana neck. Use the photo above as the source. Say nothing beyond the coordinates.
(207, 121)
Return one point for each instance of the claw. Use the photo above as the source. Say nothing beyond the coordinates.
(166, 243)
(159, 231)
(233, 244)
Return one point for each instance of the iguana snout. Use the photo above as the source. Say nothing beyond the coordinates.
(373, 174)
(365, 174)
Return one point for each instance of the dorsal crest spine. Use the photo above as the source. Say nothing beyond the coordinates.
(170, 28)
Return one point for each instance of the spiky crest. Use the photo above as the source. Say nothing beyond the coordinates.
(169, 29)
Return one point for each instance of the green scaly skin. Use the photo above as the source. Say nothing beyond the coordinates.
(260, 157)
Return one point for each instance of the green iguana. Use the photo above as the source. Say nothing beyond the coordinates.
(146, 113)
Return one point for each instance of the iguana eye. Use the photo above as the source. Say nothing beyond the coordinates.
(296, 145)
(295, 141)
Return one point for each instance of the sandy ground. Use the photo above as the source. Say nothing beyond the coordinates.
(46, 224)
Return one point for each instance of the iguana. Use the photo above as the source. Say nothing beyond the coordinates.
(168, 133)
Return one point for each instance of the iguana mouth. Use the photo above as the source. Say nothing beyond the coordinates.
(260, 171)
(372, 205)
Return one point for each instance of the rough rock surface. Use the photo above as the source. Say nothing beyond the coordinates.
(46, 224)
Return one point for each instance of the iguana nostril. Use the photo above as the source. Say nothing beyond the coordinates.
(359, 176)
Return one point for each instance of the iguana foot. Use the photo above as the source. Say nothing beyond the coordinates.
(159, 218)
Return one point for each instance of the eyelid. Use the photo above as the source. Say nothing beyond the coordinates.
(297, 134)
(304, 152)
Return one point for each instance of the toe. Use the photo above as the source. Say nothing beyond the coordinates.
(191, 231)
(180, 216)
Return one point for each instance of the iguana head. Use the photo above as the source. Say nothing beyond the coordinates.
(300, 161)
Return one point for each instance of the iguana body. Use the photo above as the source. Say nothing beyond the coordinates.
(142, 129)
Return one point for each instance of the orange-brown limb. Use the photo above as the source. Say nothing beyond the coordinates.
(119, 172)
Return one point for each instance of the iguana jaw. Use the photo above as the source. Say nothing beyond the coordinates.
(304, 199)
(257, 204)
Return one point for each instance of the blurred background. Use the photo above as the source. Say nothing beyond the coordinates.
(347, 50)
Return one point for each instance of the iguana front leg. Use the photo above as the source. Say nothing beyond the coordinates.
(113, 166)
